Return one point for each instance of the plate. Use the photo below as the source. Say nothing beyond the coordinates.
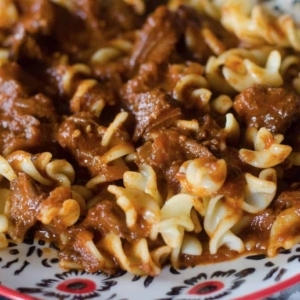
(30, 270)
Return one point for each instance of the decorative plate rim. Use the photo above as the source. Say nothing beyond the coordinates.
(15, 295)
(30, 271)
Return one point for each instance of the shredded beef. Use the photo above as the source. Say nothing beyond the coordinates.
(146, 99)
(157, 38)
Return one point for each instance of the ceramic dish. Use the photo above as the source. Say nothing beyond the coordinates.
(31, 271)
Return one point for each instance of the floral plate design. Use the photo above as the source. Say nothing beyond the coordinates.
(30, 271)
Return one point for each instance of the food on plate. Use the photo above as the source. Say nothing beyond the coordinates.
(135, 134)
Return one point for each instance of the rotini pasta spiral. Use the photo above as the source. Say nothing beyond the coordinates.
(254, 25)
(240, 69)
(267, 151)
(219, 218)
(8, 14)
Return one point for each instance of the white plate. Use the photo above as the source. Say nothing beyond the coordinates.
(30, 270)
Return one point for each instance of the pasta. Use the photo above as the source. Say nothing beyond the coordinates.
(254, 25)
(240, 72)
(260, 191)
(202, 176)
(219, 218)
(267, 151)
(9, 14)
(135, 135)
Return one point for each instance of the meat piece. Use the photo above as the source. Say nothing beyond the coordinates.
(106, 216)
(157, 38)
(150, 75)
(109, 17)
(166, 150)
(19, 132)
(204, 36)
(272, 107)
(14, 82)
(96, 94)
(71, 36)
(115, 70)
(25, 199)
(143, 97)
(88, 25)
(210, 134)
(170, 145)
(30, 38)
(24, 46)
(151, 110)
(260, 227)
(26, 121)
(89, 11)
(80, 250)
(119, 17)
(81, 135)
(37, 16)
(287, 199)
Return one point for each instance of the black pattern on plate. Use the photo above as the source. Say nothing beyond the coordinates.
(76, 285)
(20, 257)
(206, 286)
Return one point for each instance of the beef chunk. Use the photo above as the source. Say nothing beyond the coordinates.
(81, 135)
(79, 250)
(166, 150)
(25, 199)
(88, 25)
(88, 101)
(204, 36)
(153, 109)
(15, 82)
(157, 38)
(272, 107)
(151, 106)
(106, 216)
(36, 21)
(26, 121)
(37, 16)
